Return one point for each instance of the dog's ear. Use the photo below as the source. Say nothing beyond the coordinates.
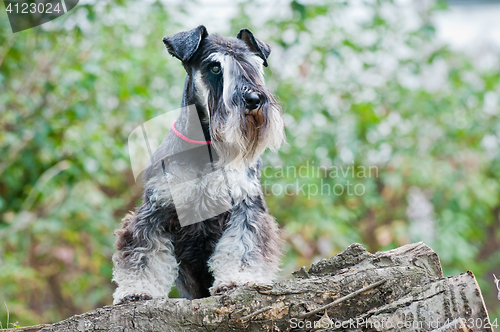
(260, 48)
(184, 44)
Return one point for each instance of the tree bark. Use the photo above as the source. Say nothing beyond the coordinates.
(407, 292)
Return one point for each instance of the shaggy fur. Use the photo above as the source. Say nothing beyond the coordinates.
(203, 223)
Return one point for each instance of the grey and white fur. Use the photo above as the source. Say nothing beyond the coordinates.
(241, 118)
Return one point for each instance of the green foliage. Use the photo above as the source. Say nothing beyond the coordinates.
(374, 91)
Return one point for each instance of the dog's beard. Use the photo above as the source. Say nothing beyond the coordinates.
(240, 138)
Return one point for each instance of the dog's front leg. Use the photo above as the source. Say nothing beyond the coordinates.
(144, 264)
(249, 249)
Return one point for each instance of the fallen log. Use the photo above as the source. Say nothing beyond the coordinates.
(402, 289)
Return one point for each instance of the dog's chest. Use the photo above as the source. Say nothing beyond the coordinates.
(198, 196)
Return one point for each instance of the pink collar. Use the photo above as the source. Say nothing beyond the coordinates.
(184, 138)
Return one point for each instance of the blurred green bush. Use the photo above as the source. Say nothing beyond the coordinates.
(363, 85)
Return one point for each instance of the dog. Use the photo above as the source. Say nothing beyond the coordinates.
(203, 223)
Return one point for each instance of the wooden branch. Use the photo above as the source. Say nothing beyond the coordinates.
(400, 289)
(342, 299)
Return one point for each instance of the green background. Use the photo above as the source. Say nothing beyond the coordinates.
(376, 89)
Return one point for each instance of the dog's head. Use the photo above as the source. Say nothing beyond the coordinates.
(226, 78)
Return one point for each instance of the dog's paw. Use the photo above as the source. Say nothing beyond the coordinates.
(135, 298)
(223, 288)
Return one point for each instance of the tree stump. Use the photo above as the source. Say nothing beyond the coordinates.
(396, 290)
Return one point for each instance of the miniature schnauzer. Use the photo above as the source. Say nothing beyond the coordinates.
(203, 223)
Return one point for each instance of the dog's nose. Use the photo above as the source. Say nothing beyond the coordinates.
(252, 101)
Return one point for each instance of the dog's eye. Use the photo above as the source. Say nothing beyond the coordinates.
(215, 69)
